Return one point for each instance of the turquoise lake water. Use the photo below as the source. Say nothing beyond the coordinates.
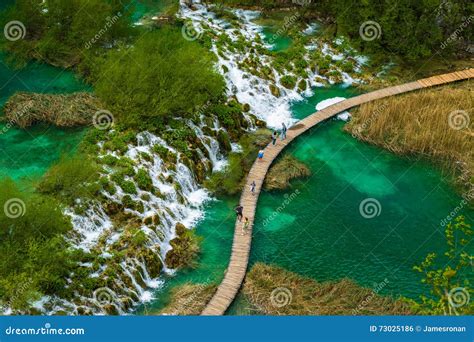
(321, 233)
(27, 153)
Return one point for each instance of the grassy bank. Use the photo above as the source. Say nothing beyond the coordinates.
(272, 290)
(188, 299)
(434, 124)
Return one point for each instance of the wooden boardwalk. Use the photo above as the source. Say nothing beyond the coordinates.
(237, 268)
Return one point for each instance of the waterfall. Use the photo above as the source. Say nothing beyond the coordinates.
(255, 90)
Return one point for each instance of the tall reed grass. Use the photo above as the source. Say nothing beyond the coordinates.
(436, 124)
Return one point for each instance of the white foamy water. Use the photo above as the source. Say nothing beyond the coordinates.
(252, 89)
(344, 116)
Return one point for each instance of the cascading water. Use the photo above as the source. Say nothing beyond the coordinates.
(267, 96)
(176, 196)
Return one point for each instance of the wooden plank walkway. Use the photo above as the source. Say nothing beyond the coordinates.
(237, 268)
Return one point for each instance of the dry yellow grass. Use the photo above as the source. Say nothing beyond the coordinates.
(189, 299)
(272, 290)
(283, 171)
(436, 123)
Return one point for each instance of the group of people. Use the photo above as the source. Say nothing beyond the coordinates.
(274, 139)
(239, 209)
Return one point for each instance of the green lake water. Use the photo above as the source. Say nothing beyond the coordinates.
(27, 153)
(320, 233)
(279, 42)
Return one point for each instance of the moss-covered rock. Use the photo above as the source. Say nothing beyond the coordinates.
(302, 85)
(288, 81)
(185, 249)
(224, 141)
(275, 90)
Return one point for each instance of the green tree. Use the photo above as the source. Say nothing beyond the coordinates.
(449, 284)
(63, 32)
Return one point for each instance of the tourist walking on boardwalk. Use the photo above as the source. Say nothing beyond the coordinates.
(260, 155)
(245, 226)
(274, 137)
(283, 131)
(238, 210)
(252, 187)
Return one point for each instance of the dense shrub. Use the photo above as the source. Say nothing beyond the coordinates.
(35, 259)
(161, 76)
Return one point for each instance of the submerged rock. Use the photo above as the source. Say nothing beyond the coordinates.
(78, 109)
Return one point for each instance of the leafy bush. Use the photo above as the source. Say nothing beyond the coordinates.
(70, 178)
(68, 30)
(35, 259)
(159, 77)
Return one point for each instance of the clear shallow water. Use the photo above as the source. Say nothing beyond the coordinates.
(147, 7)
(217, 230)
(279, 42)
(28, 153)
(321, 233)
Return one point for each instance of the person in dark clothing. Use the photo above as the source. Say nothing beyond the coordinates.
(274, 137)
(238, 210)
(252, 187)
